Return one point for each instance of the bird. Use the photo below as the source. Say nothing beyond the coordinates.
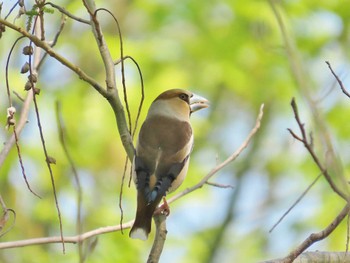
(162, 153)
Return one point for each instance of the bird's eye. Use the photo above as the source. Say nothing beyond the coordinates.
(184, 97)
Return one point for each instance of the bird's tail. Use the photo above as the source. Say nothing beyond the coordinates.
(143, 220)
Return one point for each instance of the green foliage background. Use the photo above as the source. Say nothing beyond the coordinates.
(231, 52)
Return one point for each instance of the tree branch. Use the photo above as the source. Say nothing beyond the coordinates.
(230, 159)
(159, 224)
(317, 256)
(70, 239)
(338, 80)
(159, 240)
(42, 44)
(308, 145)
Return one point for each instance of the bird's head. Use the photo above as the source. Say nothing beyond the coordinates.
(178, 103)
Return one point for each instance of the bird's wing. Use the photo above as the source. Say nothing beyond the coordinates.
(162, 154)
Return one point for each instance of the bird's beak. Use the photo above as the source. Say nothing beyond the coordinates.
(198, 102)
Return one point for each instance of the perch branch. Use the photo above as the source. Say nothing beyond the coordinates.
(159, 240)
(160, 221)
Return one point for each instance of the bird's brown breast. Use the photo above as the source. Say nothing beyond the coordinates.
(163, 141)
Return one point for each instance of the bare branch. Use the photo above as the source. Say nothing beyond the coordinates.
(37, 27)
(317, 256)
(219, 185)
(65, 12)
(315, 237)
(160, 221)
(62, 137)
(338, 80)
(69, 239)
(104, 230)
(142, 90)
(159, 240)
(295, 203)
(230, 159)
(42, 44)
(19, 127)
(309, 148)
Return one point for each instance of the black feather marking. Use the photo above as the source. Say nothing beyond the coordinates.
(164, 183)
(142, 176)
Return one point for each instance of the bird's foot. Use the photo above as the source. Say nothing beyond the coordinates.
(164, 209)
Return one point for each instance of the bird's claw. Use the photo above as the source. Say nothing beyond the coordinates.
(164, 209)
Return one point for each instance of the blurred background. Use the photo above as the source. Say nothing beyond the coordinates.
(231, 52)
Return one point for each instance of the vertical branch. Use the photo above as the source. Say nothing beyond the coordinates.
(11, 122)
(112, 92)
(48, 159)
(160, 237)
(62, 131)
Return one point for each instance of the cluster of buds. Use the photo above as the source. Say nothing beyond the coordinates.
(10, 117)
(32, 78)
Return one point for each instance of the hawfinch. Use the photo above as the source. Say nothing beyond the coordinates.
(162, 153)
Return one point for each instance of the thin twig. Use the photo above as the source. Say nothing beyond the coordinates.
(21, 162)
(308, 146)
(230, 159)
(315, 237)
(54, 42)
(47, 158)
(7, 71)
(69, 239)
(142, 91)
(19, 127)
(104, 230)
(121, 194)
(122, 63)
(11, 10)
(338, 80)
(219, 185)
(42, 44)
(295, 203)
(62, 133)
(4, 220)
(65, 12)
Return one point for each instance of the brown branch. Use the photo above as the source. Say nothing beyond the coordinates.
(65, 12)
(315, 237)
(62, 137)
(19, 127)
(295, 203)
(48, 158)
(338, 80)
(54, 41)
(42, 44)
(317, 256)
(104, 230)
(219, 185)
(142, 90)
(112, 91)
(230, 159)
(69, 239)
(308, 146)
(111, 94)
(160, 237)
